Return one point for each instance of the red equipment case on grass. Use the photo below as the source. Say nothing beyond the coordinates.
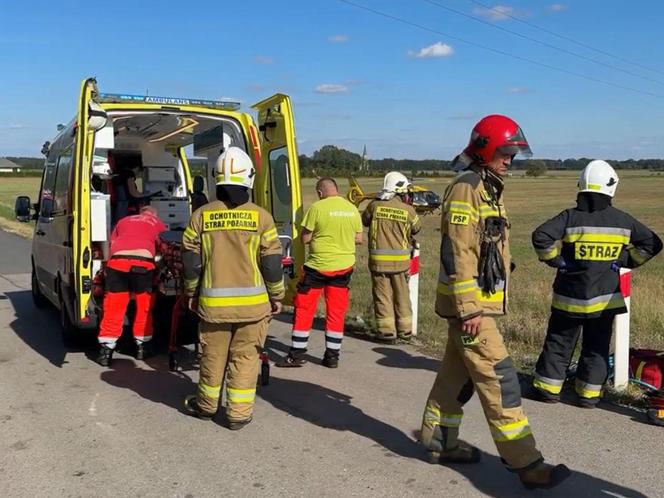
(647, 366)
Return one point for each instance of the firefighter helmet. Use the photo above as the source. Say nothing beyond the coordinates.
(600, 177)
(396, 182)
(496, 133)
(234, 167)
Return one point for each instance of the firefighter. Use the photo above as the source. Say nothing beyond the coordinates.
(331, 228)
(392, 223)
(233, 275)
(474, 272)
(597, 240)
(130, 269)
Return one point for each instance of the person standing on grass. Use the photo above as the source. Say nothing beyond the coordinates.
(392, 222)
(332, 227)
(475, 267)
(597, 240)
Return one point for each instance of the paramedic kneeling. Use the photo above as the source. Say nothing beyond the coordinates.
(130, 269)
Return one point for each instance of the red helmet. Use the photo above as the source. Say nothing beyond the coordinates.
(496, 133)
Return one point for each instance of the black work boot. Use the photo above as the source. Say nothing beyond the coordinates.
(105, 356)
(143, 350)
(587, 402)
(543, 475)
(405, 336)
(236, 425)
(463, 453)
(542, 396)
(191, 408)
(331, 359)
(388, 339)
(294, 359)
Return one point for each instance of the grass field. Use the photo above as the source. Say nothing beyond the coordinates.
(529, 202)
(10, 188)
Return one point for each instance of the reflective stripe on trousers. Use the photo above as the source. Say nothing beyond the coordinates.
(553, 386)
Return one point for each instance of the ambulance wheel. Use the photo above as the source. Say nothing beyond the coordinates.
(173, 362)
(37, 297)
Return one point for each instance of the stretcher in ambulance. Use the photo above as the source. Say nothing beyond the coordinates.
(124, 151)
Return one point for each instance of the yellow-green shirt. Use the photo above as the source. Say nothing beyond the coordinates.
(334, 222)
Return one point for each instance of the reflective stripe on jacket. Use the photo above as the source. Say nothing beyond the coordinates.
(232, 262)
(588, 247)
(391, 224)
(466, 206)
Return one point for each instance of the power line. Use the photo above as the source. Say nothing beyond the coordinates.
(497, 51)
(549, 45)
(567, 38)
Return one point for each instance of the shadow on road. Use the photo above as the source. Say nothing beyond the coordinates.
(39, 329)
(333, 410)
(158, 386)
(490, 478)
(399, 358)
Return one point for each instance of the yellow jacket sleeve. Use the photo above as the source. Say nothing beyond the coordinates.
(459, 252)
(191, 254)
(270, 259)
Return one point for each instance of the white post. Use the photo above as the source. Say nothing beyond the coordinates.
(414, 283)
(621, 334)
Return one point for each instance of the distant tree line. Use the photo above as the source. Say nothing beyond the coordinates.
(332, 160)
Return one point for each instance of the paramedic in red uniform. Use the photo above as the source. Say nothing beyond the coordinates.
(130, 270)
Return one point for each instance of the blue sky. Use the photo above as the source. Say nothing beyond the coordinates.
(355, 77)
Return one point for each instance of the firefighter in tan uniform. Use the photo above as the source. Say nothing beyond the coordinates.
(391, 224)
(233, 275)
(472, 289)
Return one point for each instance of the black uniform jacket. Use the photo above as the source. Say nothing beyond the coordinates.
(597, 240)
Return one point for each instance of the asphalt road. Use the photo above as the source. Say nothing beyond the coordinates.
(69, 427)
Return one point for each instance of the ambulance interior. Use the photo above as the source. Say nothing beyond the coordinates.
(149, 144)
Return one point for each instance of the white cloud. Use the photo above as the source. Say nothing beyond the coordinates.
(497, 13)
(518, 90)
(557, 7)
(338, 39)
(332, 88)
(261, 59)
(16, 127)
(438, 49)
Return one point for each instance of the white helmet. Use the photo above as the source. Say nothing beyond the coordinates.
(234, 167)
(395, 182)
(598, 177)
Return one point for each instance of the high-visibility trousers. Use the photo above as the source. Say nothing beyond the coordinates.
(232, 349)
(392, 304)
(125, 276)
(482, 364)
(561, 338)
(337, 295)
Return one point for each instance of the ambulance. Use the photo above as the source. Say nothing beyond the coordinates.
(159, 139)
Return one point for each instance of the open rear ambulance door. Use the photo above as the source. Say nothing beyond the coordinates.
(88, 120)
(277, 186)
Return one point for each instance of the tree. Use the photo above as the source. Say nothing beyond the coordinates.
(535, 168)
